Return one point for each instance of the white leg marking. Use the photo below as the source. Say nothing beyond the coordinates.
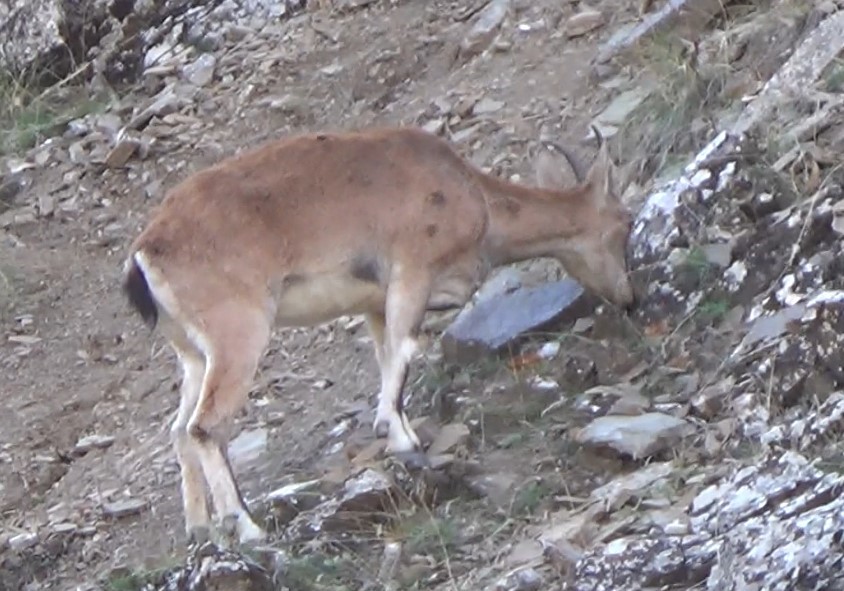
(407, 297)
(232, 357)
(193, 479)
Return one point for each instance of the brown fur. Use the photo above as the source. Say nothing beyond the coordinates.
(388, 223)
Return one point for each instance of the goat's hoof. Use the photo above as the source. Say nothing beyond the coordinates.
(382, 429)
(198, 535)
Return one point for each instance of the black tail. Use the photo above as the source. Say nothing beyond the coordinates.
(136, 288)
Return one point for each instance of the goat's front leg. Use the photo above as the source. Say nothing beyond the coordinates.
(407, 299)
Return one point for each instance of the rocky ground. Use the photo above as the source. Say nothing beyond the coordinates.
(690, 444)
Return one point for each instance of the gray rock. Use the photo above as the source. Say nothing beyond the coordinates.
(616, 113)
(363, 497)
(10, 187)
(346, 5)
(583, 22)
(124, 508)
(201, 71)
(637, 436)
(30, 31)
(482, 33)
(248, 446)
(773, 525)
(485, 106)
(524, 579)
(434, 126)
(86, 444)
(23, 541)
(674, 14)
(120, 154)
(719, 254)
(164, 103)
(449, 437)
(498, 321)
(212, 567)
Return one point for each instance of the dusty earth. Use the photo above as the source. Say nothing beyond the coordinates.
(77, 363)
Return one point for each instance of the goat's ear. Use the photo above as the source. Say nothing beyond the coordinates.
(601, 174)
(551, 171)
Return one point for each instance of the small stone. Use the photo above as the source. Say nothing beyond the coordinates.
(549, 350)
(236, 32)
(24, 339)
(275, 418)
(76, 152)
(123, 508)
(426, 428)
(496, 486)
(620, 489)
(248, 446)
(331, 69)
(108, 123)
(709, 400)
(449, 437)
(485, 106)
(164, 103)
(120, 153)
(10, 188)
(90, 442)
(347, 5)
(617, 112)
(287, 103)
(64, 528)
(46, 205)
(526, 579)
(719, 254)
(525, 552)
(201, 72)
(23, 541)
(485, 28)
(637, 436)
(465, 134)
(434, 126)
(77, 128)
(584, 22)
(288, 493)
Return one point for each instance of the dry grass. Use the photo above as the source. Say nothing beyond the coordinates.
(28, 116)
(676, 117)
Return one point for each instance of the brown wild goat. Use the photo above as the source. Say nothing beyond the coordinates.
(387, 223)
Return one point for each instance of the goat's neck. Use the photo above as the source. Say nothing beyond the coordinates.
(527, 222)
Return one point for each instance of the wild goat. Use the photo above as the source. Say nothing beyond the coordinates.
(387, 223)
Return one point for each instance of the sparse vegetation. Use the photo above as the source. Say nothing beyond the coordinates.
(428, 534)
(713, 309)
(529, 497)
(834, 79)
(28, 116)
(675, 118)
(318, 570)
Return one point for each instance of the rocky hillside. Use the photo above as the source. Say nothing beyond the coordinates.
(693, 443)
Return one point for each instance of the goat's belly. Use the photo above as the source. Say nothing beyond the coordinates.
(312, 300)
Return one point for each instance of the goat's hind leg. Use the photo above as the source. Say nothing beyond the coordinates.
(194, 500)
(233, 344)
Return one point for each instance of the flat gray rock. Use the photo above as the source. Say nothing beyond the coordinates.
(497, 321)
(637, 436)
